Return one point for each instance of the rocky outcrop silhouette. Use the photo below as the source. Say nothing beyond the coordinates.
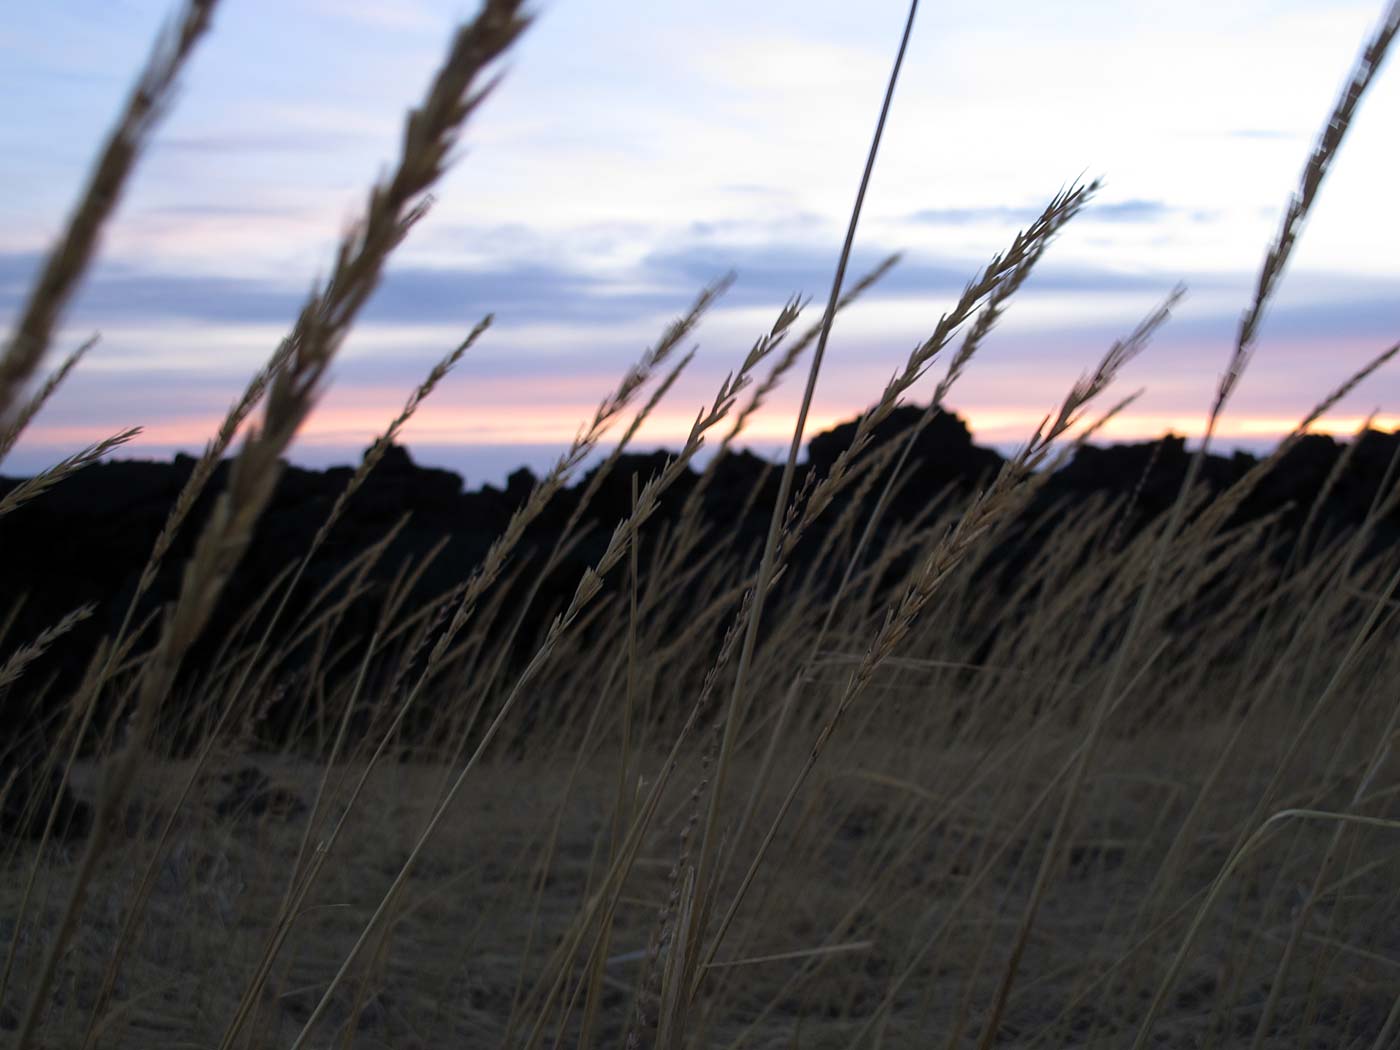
(943, 452)
(87, 539)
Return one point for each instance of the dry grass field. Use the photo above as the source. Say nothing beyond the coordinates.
(1134, 788)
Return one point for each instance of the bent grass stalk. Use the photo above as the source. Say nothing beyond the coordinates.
(85, 699)
(1251, 845)
(11, 432)
(588, 587)
(1275, 260)
(463, 602)
(70, 257)
(1056, 215)
(733, 716)
(394, 207)
(998, 501)
(40, 483)
(765, 345)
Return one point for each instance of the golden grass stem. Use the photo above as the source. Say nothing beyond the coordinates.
(733, 716)
(71, 256)
(11, 432)
(25, 655)
(30, 488)
(1274, 262)
(587, 589)
(1247, 849)
(1056, 215)
(394, 208)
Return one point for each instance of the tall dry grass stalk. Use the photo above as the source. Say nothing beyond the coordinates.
(371, 459)
(462, 604)
(71, 256)
(1274, 262)
(1027, 250)
(22, 657)
(587, 589)
(394, 207)
(1296, 211)
(26, 413)
(1002, 498)
(84, 704)
(235, 702)
(763, 580)
(40, 483)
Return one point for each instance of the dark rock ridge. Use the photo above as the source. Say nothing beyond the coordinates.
(87, 539)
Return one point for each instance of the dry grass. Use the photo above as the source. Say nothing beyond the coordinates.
(890, 848)
(1136, 787)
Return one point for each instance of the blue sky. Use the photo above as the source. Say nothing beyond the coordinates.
(635, 152)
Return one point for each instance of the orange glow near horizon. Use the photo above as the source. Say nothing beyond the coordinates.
(470, 426)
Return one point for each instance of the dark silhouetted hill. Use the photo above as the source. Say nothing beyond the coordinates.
(87, 539)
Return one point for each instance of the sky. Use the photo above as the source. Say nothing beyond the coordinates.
(633, 153)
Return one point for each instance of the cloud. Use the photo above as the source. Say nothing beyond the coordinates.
(1129, 211)
(177, 348)
(768, 275)
(238, 143)
(532, 291)
(379, 15)
(121, 293)
(242, 210)
(117, 292)
(1261, 133)
(17, 271)
(971, 216)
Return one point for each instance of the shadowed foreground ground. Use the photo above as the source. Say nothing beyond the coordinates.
(913, 856)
